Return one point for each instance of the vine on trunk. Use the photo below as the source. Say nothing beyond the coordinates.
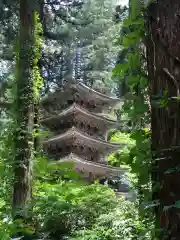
(37, 49)
(27, 94)
(38, 80)
(133, 72)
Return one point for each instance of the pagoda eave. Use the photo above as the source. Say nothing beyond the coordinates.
(99, 170)
(83, 90)
(73, 112)
(81, 87)
(75, 136)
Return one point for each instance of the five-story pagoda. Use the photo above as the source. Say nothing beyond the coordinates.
(74, 114)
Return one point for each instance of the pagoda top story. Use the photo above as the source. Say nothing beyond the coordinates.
(77, 92)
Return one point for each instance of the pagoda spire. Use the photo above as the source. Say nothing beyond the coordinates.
(61, 74)
(77, 67)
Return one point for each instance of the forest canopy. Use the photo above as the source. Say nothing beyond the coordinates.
(89, 119)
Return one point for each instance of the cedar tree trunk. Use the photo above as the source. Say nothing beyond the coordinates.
(163, 50)
(24, 112)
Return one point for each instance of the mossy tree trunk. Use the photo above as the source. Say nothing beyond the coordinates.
(24, 112)
(163, 48)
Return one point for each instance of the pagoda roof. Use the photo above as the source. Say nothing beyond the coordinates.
(95, 168)
(75, 109)
(76, 136)
(83, 90)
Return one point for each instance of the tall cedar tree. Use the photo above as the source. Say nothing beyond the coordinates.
(24, 112)
(163, 50)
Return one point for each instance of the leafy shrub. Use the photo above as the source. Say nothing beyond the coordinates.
(67, 207)
(120, 224)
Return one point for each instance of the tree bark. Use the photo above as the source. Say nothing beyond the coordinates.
(163, 51)
(24, 114)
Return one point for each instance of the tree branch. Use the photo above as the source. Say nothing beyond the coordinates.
(54, 36)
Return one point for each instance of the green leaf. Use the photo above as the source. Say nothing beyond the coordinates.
(177, 204)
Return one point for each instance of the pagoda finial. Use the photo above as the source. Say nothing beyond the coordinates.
(77, 67)
(61, 74)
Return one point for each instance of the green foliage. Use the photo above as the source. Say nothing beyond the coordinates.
(70, 210)
(46, 170)
(132, 71)
(121, 157)
(119, 137)
(63, 207)
(66, 207)
(6, 178)
(121, 223)
(100, 54)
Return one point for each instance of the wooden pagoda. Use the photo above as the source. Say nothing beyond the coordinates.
(74, 114)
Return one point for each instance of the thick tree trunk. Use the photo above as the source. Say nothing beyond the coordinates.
(24, 112)
(163, 48)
